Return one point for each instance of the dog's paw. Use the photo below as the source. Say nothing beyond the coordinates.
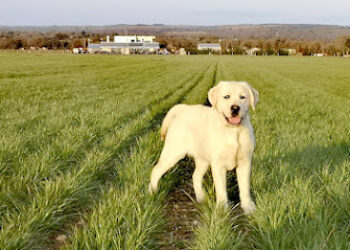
(248, 207)
(152, 189)
(223, 204)
(200, 196)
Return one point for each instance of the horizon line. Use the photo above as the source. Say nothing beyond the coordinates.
(161, 24)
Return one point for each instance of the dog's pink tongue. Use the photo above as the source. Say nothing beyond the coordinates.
(234, 120)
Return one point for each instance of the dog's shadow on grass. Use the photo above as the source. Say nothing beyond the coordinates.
(184, 171)
(232, 187)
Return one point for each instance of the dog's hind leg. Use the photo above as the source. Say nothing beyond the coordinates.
(168, 158)
(197, 178)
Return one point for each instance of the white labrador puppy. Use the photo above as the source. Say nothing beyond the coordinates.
(220, 136)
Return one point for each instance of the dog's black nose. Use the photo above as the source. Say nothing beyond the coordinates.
(235, 109)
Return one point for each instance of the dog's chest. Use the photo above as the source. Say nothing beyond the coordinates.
(229, 137)
(227, 147)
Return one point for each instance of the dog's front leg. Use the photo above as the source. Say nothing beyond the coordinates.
(219, 176)
(198, 174)
(243, 178)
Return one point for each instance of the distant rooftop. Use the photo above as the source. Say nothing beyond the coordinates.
(112, 45)
(209, 45)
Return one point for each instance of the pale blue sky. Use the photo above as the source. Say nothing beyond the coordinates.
(196, 12)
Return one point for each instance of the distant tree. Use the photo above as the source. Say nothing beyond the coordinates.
(190, 46)
(277, 45)
(287, 44)
(34, 41)
(163, 43)
(78, 43)
(347, 45)
(260, 44)
(7, 43)
(342, 44)
(66, 45)
(283, 52)
(237, 48)
(347, 42)
(306, 51)
(330, 49)
(238, 51)
(61, 36)
(283, 43)
(226, 46)
(268, 49)
(20, 43)
(299, 47)
(248, 44)
(316, 47)
(56, 44)
(95, 38)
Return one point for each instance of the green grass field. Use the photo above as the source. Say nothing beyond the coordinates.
(79, 135)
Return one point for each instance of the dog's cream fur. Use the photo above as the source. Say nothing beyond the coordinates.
(205, 134)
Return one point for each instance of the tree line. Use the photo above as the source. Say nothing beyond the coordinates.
(172, 42)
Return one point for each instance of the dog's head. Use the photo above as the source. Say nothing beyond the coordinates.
(233, 100)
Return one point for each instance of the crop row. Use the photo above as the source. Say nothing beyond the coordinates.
(22, 173)
(60, 198)
(128, 217)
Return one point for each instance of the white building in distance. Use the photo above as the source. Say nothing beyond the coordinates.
(253, 51)
(126, 45)
(209, 46)
(134, 39)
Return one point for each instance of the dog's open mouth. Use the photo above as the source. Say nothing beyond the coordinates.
(233, 120)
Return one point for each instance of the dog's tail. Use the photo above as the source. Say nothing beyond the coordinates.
(169, 118)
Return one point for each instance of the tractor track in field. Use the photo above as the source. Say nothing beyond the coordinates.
(126, 145)
(99, 177)
(153, 119)
(180, 208)
(127, 117)
(78, 69)
(104, 132)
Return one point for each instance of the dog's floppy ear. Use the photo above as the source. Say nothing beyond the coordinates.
(253, 96)
(213, 95)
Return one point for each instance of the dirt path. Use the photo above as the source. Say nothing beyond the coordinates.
(180, 210)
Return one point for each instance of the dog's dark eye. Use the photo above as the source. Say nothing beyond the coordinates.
(227, 96)
(242, 97)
